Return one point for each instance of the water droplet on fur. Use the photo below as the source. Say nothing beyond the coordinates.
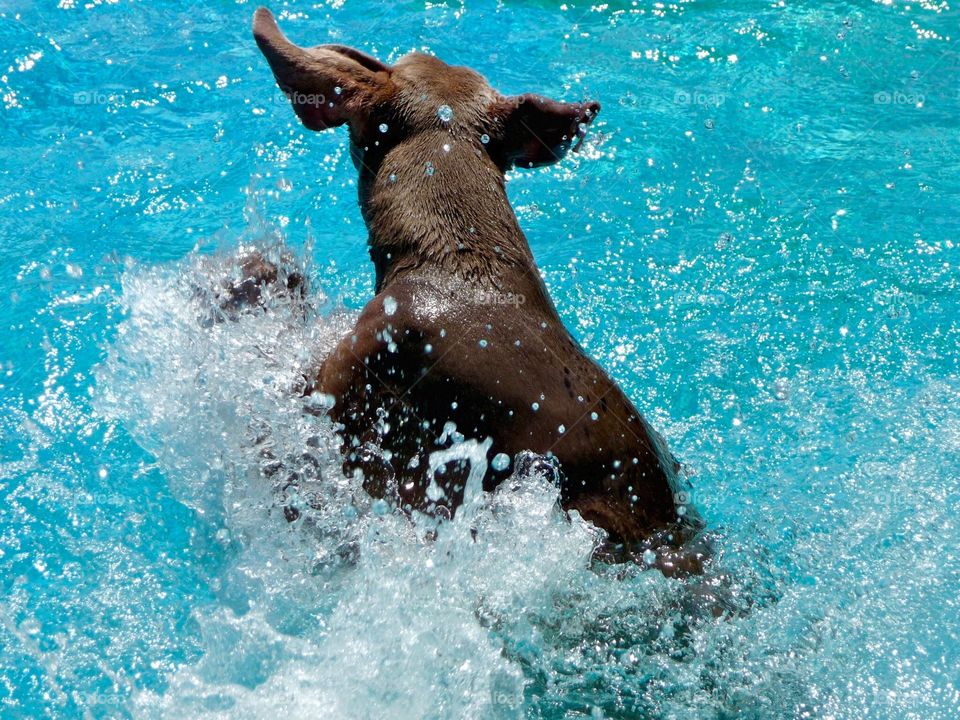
(483, 343)
(338, 90)
(535, 406)
(384, 127)
(594, 416)
(445, 113)
(484, 138)
(428, 169)
(562, 429)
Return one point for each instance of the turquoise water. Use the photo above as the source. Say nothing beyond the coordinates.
(759, 241)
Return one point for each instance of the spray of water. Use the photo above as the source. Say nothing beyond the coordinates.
(351, 610)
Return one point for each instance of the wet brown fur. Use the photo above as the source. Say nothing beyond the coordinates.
(444, 244)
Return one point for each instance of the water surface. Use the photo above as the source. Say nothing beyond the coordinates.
(759, 242)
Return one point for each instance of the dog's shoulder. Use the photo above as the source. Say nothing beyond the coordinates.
(384, 345)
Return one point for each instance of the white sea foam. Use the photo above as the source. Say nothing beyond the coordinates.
(352, 610)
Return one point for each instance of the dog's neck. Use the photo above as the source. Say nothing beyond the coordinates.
(435, 203)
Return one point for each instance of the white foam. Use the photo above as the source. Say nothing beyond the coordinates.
(348, 612)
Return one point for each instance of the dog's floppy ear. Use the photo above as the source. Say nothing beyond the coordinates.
(327, 85)
(537, 131)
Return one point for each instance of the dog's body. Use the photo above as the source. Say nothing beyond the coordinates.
(462, 340)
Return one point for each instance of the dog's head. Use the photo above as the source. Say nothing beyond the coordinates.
(384, 106)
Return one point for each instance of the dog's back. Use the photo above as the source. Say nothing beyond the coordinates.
(462, 346)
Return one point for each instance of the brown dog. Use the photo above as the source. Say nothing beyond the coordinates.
(461, 360)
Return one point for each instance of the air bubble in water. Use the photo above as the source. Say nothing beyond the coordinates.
(428, 169)
(445, 113)
(501, 461)
(484, 138)
(384, 127)
(389, 305)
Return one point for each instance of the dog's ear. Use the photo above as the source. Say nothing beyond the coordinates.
(536, 131)
(327, 85)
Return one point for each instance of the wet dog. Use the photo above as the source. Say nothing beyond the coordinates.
(461, 360)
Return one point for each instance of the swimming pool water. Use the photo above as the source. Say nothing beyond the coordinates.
(759, 241)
